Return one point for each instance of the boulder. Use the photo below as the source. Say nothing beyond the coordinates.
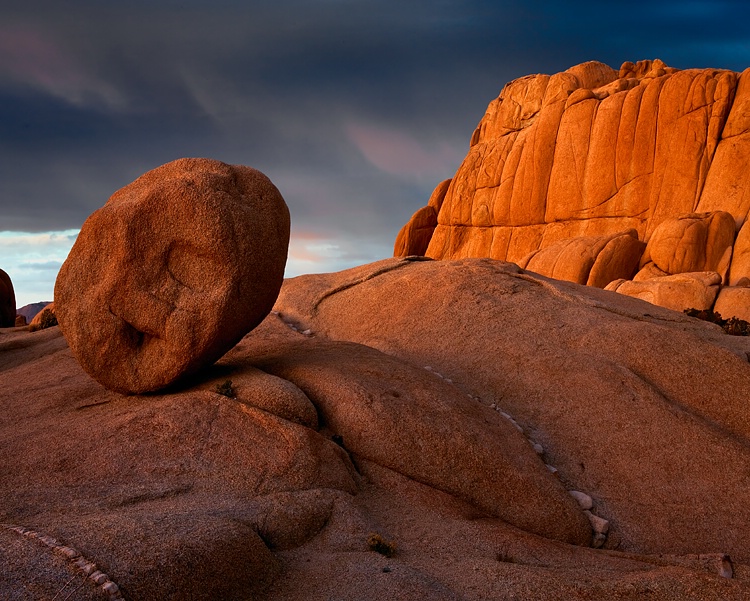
(171, 272)
(7, 301)
(31, 310)
(20, 321)
(44, 320)
(692, 243)
(592, 260)
(414, 237)
(678, 292)
(733, 301)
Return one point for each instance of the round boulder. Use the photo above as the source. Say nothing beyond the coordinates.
(172, 272)
(7, 301)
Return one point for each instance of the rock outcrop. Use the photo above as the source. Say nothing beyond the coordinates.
(493, 424)
(7, 301)
(562, 165)
(171, 272)
(44, 320)
(30, 311)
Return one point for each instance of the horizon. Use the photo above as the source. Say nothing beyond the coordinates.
(356, 110)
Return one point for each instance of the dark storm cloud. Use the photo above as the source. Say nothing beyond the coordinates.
(355, 109)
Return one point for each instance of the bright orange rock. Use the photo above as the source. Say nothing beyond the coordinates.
(679, 292)
(733, 301)
(592, 260)
(694, 242)
(559, 161)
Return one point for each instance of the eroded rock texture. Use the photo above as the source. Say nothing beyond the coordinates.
(417, 400)
(562, 164)
(172, 272)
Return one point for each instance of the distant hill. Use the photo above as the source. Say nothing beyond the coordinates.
(29, 311)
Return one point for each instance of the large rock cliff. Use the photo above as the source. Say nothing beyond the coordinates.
(597, 176)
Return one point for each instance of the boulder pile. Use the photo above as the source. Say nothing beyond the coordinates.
(596, 176)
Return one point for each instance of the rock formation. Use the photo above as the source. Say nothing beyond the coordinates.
(30, 311)
(493, 424)
(171, 272)
(7, 301)
(563, 170)
(42, 320)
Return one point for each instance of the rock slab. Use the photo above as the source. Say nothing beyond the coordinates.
(171, 272)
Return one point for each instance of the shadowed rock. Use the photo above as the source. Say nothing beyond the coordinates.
(7, 301)
(171, 272)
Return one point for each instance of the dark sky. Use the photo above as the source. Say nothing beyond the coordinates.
(355, 109)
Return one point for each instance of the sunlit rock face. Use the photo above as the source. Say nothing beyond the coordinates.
(171, 272)
(596, 155)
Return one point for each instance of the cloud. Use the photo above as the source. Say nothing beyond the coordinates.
(310, 252)
(398, 153)
(31, 58)
(32, 261)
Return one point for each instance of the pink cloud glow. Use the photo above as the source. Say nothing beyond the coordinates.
(28, 57)
(397, 153)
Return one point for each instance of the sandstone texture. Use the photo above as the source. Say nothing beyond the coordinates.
(171, 272)
(512, 435)
(7, 301)
(563, 164)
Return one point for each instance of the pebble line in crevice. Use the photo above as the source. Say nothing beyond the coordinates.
(291, 325)
(77, 561)
(599, 525)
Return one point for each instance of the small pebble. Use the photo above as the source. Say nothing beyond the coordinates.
(599, 540)
(539, 449)
(98, 577)
(68, 552)
(86, 567)
(386, 569)
(584, 500)
(428, 368)
(600, 525)
(551, 468)
(111, 588)
(307, 332)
